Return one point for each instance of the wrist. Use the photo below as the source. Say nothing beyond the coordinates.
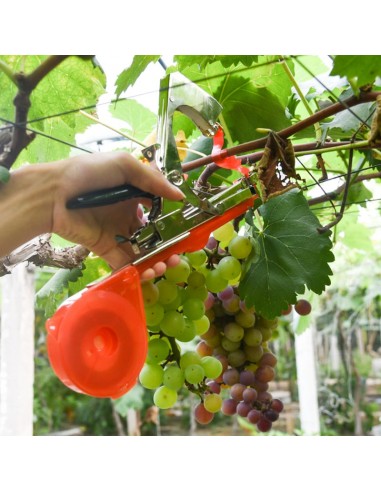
(26, 205)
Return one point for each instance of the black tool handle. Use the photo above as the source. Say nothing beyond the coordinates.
(99, 198)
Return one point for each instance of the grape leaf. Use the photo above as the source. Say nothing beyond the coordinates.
(314, 65)
(140, 119)
(293, 256)
(51, 294)
(363, 68)
(131, 74)
(68, 282)
(246, 108)
(184, 61)
(349, 120)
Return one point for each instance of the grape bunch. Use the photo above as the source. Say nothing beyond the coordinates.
(196, 304)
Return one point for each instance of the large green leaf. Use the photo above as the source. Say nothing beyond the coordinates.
(293, 256)
(253, 97)
(131, 74)
(359, 69)
(349, 120)
(246, 108)
(184, 61)
(74, 84)
(270, 74)
(307, 64)
(140, 119)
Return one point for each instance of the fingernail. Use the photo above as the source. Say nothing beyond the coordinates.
(178, 192)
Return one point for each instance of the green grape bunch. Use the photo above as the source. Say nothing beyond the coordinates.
(204, 339)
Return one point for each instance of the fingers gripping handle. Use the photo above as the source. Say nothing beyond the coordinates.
(97, 340)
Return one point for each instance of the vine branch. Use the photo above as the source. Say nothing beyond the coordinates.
(6, 69)
(40, 252)
(260, 143)
(20, 137)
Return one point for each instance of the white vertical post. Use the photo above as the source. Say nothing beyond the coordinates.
(307, 379)
(17, 352)
(334, 353)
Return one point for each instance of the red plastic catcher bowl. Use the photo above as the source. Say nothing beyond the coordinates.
(97, 340)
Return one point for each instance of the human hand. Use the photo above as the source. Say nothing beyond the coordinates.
(96, 228)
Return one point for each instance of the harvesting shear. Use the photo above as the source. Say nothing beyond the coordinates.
(97, 340)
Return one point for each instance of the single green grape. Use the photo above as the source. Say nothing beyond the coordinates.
(253, 337)
(196, 279)
(154, 314)
(234, 332)
(240, 247)
(245, 319)
(173, 377)
(253, 354)
(213, 402)
(194, 308)
(188, 332)
(215, 282)
(167, 291)
(200, 292)
(236, 358)
(266, 333)
(224, 233)
(229, 268)
(178, 273)
(201, 325)
(158, 350)
(194, 373)
(151, 376)
(177, 301)
(150, 293)
(164, 397)
(197, 258)
(228, 345)
(225, 244)
(172, 323)
(212, 366)
(188, 358)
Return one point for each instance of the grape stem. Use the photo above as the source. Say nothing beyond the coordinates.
(317, 126)
(175, 350)
(6, 69)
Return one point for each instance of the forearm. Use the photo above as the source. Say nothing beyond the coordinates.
(26, 205)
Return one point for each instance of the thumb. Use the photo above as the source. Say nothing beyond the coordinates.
(148, 179)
